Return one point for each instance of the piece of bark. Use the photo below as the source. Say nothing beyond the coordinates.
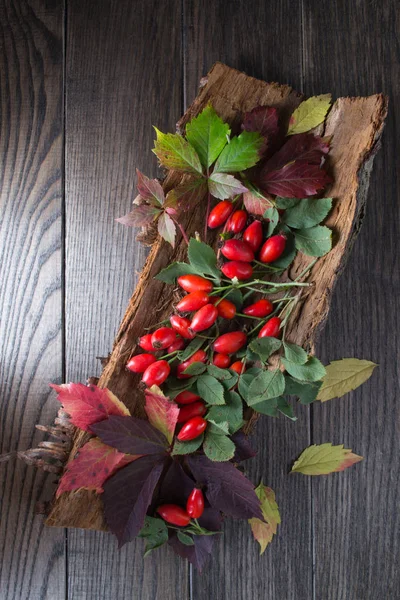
(356, 125)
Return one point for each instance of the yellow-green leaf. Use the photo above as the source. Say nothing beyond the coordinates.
(174, 152)
(309, 114)
(264, 531)
(324, 459)
(344, 375)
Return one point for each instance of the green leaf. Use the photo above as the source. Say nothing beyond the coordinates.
(295, 353)
(219, 373)
(187, 447)
(174, 152)
(178, 385)
(185, 539)
(166, 228)
(285, 408)
(344, 375)
(229, 383)
(246, 379)
(223, 186)
(272, 216)
(267, 407)
(155, 532)
(269, 384)
(221, 428)
(241, 153)
(307, 213)
(324, 459)
(232, 412)
(218, 448)
(191, 348)
(312, 370)
(236, 297)
(203, 258)
(208, 135)
(188, 193)
(285, 203)
(314, 241)
(210, 390)
(196, 368)
(264, 347)
(175, 270)
(309, 114)
(306, 391)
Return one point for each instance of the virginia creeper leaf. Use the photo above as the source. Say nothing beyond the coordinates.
(203, 258)
(263, 119)
(176, 485)
(130, 435)
(92, 465)
(295, 180)
(88, 404)
(309, 114)
(307, 147)
(207, 133)
(243, 449)
(265, 530)
(255, 203)
(174, 152)
(166, 228)
(314, 241)
(324, 459)
(150, 189)
(140, 216)
(218, 448)
(312, 370)
(223, 186)
(344, 375)
(162, 413)
(188, 193)
(241, 153)
(154, 532)
(307, 213)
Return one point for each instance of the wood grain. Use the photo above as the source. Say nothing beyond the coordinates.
(356, 515)
(32, 562)
(121, 79)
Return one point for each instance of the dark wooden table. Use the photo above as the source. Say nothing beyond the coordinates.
(81, 82)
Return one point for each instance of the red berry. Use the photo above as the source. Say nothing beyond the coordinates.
(199, 356)
(193, 301)
(174, 514)
(219, 214)
(271, 328)
(238, 269)
(195, 504)
(253, 235)
(145, 343)
(229, 343)
(140, 362)
(204, 318)
(226, 309)
(221, 360)
(163, 337)
(156, 373)
(237, 250)
(186, 397)
(272, 248)
(192, 429)
(181, 326)
(194, 283)
(197, 409)
(178, 344)
(237, 221)
(237, 367)
(261, 308)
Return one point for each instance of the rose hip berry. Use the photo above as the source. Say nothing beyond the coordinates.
(192, 302)
(178, 344)
(226, 309)
(156, 373)
(186, 397)
(221, 360)
(174, 514)
(140, 362)
(240, 270)
(194, 283)
(253, 235)
(261, 308)
(238, 367)
(145, 343)
(272, 248)
(199, 356)
(197, 409)
(204, 318)
(271, 328)
(219, 214)
(237, 250)
(192, 429)
(229, 343)
(163, 337)
(195, 504)
(237, 221)
(181, 326)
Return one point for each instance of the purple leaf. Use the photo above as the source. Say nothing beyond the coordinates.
(304, 146)
(196, 554)
(128, 494)
(244, 451)
(227, 489)
(263, 119)
(176, 485)
(188, 193)
(295, 180)
(150, 189)
(139, 216)
(130, 435)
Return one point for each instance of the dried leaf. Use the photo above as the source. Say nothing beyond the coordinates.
(344, 375)
(150, 189)
(167, 228)
(294, 180)
(264, 531)
(139, 216)
(174, 152)
(162, 413)
(309, 114)
(324, 459)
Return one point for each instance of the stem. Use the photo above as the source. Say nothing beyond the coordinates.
(310, 266)
(207, 215)
(248, 316)
(183, 232)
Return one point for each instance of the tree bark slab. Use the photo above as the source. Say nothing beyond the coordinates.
(356, 125)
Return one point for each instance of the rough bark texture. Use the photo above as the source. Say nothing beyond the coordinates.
(356, 125)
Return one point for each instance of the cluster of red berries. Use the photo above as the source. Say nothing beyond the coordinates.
(176, 515)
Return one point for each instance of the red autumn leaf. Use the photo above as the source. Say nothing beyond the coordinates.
(263, 119)
(139, 216)
(190, 192)
(295, 180)
(93, 464)
(255, 204)
(150, 189)
(304, 146)
(88, 404)
(162, 413)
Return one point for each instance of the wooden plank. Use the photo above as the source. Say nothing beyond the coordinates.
(256, 38)
(119, 84)
(31, 136)
(357, 512)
